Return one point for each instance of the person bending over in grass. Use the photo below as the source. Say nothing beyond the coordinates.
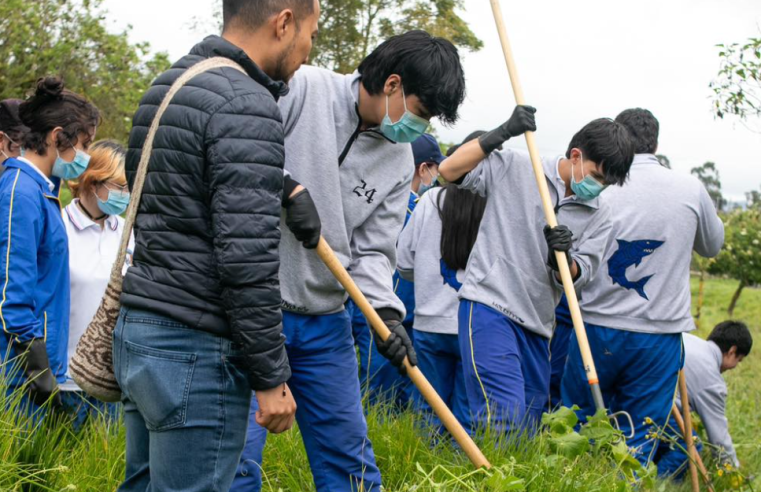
(377, 376)
(347, 140)
(704, 363)
(433, 250)
(511, 283)
(201, 324)
(638, 305)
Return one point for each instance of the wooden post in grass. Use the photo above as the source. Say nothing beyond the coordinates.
(328, 257)
(691, 451)
(701, 466)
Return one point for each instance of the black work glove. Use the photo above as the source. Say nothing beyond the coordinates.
(301, 217)
(559, 238)
(520, 122)
(34, 362)
(398, 345)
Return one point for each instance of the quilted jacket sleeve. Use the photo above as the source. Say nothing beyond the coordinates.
(245, 154)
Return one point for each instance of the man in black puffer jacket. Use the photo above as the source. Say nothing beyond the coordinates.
(201, 324)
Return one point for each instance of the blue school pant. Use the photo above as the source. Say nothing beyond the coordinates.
(672, 461)
(379, 380)
(440, 361)
(506, 369)
(561, 337)
(638, 374)
(330, 417)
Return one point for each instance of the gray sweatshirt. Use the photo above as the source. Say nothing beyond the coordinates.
(708, 392)
(419, 253)
(359, 181)
(508, 270)
(659, 218)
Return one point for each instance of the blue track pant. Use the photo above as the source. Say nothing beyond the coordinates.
(672, 461)
(330, 417)
(440, 361)
(506, 369)
(638, 374)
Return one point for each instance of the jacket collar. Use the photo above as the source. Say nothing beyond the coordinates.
(80, 221)
(717, 354)
(217, 46)
(29, 169)
(645, 159)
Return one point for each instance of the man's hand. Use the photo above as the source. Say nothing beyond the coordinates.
(397, 346)
(302, 217)
(277, 409)
(33, 360)
(559, 238)
(520, 122)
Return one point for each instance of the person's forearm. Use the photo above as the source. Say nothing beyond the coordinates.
(574, 271)
(464, 160)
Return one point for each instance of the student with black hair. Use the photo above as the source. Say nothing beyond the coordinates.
(638, 304)
(511, 284)
(201, 324)
(347, 140)
(378, 378)
(704, 363)
(33, 244)
(433, 251)
(12, 130)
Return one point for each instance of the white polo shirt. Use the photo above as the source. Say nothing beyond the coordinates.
(92, 252)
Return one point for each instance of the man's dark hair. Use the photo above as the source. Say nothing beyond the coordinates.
(51, 106)
(643, 129)
(254, 13)
(606, 143)
(732, 333)
(430, 69)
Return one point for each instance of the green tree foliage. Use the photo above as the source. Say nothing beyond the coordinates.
(664, 161)
(753, 199)
(708, 174)
(71, 39)
(737, 88)
(741, 256)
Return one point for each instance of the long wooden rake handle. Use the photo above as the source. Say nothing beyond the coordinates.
(549, 213)
(701, 466)
(328, 257)
(687, 432)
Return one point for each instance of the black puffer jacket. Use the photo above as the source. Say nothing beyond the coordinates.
(207, 231)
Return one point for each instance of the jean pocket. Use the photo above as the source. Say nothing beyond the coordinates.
(158, 381)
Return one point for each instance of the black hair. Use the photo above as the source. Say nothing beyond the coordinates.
(53, 106)
(606, 143)
(10, 123)
(254, 13)
(461, 213)
(643, 129)
(728, 334)
(430, 69)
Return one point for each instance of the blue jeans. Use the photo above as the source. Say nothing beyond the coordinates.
(638, 374)
(673, 462)
(506, 367)
(185, 405)
(380, 381)
(440, 361)
(81, 408)
(248, 478)
(330, 417)
(559, 342)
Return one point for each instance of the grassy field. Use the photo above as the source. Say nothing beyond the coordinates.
(56, 459)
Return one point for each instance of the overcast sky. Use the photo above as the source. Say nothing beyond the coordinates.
(577, 61)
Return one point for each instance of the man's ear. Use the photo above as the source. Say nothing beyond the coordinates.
(732, 351)
(285, 24)
(393, 84)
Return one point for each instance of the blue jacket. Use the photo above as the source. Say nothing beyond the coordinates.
(404, 289)
(34, 265)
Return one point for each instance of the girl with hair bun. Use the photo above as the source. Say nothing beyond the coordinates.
(34, 252)
(94, 228)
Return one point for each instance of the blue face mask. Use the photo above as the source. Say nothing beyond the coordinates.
(409, 127)
(588, 188)
(115, 204)
(73, 169)
(424, 187)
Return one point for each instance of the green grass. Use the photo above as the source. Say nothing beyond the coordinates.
(54, 458)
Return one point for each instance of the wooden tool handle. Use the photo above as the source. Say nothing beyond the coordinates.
(701, 466)
(328, 257)
(687, 416)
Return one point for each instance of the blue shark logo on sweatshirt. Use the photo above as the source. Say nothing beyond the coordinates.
(450, 276)
(631, 253)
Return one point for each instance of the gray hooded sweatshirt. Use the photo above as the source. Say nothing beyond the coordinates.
(507, 269)
(359, 181)
(708, 392)
(660, 217)
(419, 252)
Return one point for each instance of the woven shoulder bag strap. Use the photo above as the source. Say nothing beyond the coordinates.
(145, 157)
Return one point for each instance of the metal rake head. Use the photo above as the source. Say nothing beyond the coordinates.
(614, 419)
